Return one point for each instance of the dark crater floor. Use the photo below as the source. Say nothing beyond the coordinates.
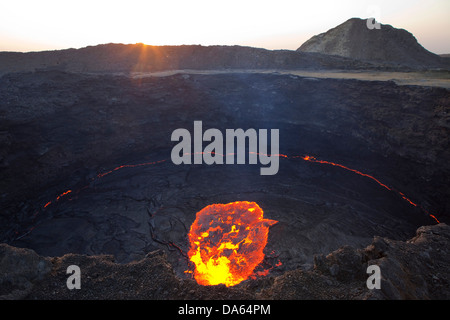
(58, 131)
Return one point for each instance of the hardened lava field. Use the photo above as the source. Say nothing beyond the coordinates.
(70, 131)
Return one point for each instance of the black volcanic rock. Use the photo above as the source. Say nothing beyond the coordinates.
(413, 269)
(353, 39)
(20, 269)
(59, 130)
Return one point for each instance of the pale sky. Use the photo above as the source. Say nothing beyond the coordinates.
(35, 25)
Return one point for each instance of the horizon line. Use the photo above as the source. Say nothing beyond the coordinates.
(171, 45)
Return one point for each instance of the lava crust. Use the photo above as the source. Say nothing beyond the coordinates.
(106, 138)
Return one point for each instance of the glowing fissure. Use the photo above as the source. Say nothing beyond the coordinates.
(313, 159)
(101, 175)
(58, 197)
(227, 242)
(305, 158)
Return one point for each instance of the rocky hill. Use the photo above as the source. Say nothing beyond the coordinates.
(353, 39)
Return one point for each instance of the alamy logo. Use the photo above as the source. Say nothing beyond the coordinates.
(213, 153)
(374, 280)
(374, 12)
(73, 281)
(373, 24)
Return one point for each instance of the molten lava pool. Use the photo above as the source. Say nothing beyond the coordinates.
(227, 242)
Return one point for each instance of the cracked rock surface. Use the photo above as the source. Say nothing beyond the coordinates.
(60, 130)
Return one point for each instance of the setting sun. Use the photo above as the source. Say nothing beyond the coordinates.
(49, 24)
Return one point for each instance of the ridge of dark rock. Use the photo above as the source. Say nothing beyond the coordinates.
(413, 269)
(132, 58)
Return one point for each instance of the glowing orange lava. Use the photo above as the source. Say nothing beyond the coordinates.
(227, 242)
(313, 159)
